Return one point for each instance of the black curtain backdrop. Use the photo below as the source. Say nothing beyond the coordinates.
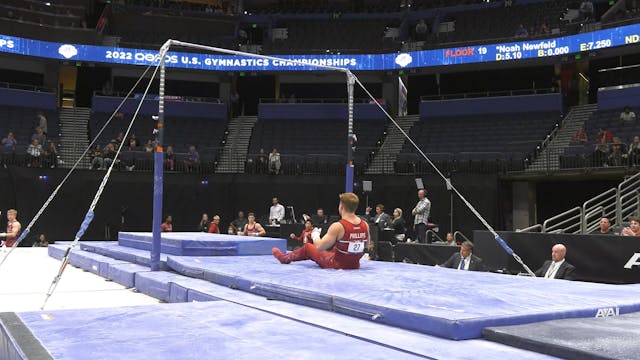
(186, 197)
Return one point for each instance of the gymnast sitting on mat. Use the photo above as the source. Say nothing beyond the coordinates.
(305, 235)
(350, 235)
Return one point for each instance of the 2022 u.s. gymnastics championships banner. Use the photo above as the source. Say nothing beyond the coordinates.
(601, 39)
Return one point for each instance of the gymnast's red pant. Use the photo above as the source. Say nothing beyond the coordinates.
(327, 259)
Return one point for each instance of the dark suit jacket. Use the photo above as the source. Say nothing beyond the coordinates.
(454, 262)
(565, 271)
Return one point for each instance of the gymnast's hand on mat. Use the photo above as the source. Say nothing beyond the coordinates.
(315, 234)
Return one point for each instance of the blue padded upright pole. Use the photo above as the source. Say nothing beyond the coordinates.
(158, 164)
(350, 136)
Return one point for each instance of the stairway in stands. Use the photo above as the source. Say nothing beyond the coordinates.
(549, 158)
(234, 153)
(74, 137)
(385, 157)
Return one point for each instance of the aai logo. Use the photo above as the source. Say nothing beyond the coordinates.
(68, 51)
(606, 312)
(403, 59)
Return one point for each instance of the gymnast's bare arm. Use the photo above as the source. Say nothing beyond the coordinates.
(335, 232)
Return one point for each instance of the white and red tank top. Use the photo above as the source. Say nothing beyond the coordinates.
(353, 244)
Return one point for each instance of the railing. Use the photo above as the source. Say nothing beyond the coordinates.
(119, 94)
(617, 204)
(604, 204)
(566, 222)
(312, 101)
(488, 94)
(25, 87)
(628, 199)
(459, 233)
(531, 228)
(434, 235)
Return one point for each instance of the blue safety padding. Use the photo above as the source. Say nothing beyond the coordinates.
(113, 250)
(95, 263)
(609, 337)
(57, 251)
(125, 273)
(206, 330)
(203, 244)
(156, 284)
(429, 300)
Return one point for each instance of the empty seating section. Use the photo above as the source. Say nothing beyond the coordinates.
(584, 155)
(180, 133)
(311, 145)
(486, 143)
(352, 36)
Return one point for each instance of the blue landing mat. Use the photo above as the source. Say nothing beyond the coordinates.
(616, 337)
(185, 289)
(113, 250)
(429, 300)
(203, 244)
(212, 330)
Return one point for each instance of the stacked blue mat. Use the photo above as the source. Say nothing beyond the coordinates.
(428, 300)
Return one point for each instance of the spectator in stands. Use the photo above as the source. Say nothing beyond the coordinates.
(134, 142)
(239, 223)
(204, 223)
(192, 161)
(262, 162)
(580, 137)
(421, 30)
(108, 155)
(167, 225)
(544, 29)
(601, 153)
(633, 154)
(9, 143)
(557, 267)
(214, 228)
(276, 212)
(148, 146)
(604, 228)
(274, 162)
(465, 260)
(627, 116)
(318, 219)
(305, 235)
(508, 3)
(633, 229)
(616, 151)
(421, 212)
(41, 242)
(380, 218)
(118, 140)
(604, 133)
(521, 33)
(234, 99)
(252, 228)
(451, 240)
(39, 135)
(398, 224)
(96, 158)
(51, 155)
(41, 122)
(35, 152)
(586, 10)
(169, 159)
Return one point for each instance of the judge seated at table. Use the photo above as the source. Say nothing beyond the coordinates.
(465, 260)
